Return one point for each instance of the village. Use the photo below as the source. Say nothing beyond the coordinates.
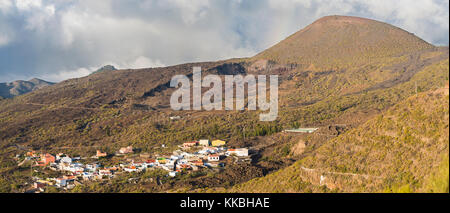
(189, 157)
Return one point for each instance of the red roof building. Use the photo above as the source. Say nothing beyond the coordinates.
(190, 144)
(47, 159)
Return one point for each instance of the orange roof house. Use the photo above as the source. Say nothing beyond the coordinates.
(184, 166)
(151, 161)
(31, 154)
(101, 154)
(190, 144)
(198, 163)
(47, 158)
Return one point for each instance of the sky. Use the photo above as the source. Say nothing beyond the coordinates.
(58, 40)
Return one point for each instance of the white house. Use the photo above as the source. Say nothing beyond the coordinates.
(75, 168)
(206, 150)
(66, 160)
(105, 172)
(183, 161)
(92, 167)
(213, 157)
(87, 175)
(204, 142)
(168, 167)
(59, 156)
(176, 157)
(130, 169)
(173, 173)
(175, 118)
(203, 152)
(61, 182)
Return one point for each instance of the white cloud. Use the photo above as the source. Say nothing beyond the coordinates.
(192, 11)
(138, 63)
(4, 40)
(28, 4)
(5, 6)
(66, 74)
(40, 18)
(144, 62)
(289, 4)
(105, 30)
(427, 18)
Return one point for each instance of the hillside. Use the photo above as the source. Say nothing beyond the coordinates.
(402, 150)
(9, 90)
(337, 93)
(337, 40)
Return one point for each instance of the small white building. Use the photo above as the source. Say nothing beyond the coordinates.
(59, 156)
(66, 160)
(173, 173)
(174, 118)
(176, 157)
(204, 142)
(202, 152)
(210, 150)
(61, 182)
(92, 167)
(130, 169)
(87, 176)
(213, 157)
(105, 172)
(241, 152)
(182, 161)
(168, 167)
(126, 150)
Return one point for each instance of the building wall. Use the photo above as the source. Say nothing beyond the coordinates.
(218, 143)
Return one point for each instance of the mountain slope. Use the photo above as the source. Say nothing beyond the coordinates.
(341, 55)
(9, 90)
(403, 150)
(335, 40)
(108, 110)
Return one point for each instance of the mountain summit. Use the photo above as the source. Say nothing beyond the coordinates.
(105, 68)
(343, 38)
(9, 90)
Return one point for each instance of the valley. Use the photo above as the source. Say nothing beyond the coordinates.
(375, 92)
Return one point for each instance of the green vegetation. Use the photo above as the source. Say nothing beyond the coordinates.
(339, 70)
(439, 179)
(147, 181)
(398, 151)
